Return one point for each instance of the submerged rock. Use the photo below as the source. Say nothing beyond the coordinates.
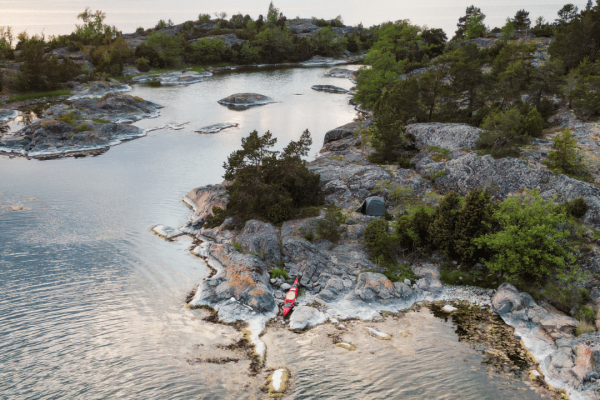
(377, 334)
(246, 100)
(329, 88)
(217, 127)
(166, 232)
(347, 346)
(305, 317)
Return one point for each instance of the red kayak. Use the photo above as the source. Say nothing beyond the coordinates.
(290, 299)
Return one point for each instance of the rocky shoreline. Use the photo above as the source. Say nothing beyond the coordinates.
(342, 283)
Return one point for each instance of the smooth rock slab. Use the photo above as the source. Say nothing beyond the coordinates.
(7, 115)
(95, 90)
(329, 88)
(243, 100)
(174, 78)
(166, 232)
(305, 317)
(216, 127)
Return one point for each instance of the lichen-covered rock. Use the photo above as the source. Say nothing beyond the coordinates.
(408, 178)
(243, 277)
(246, 100)
(510, 175)
(446, 136)
(203, 199)
(116, 107)
(345, 181)
(305, 317)
(260, 238)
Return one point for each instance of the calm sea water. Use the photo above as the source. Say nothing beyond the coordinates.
(91, 302)
(60, 16)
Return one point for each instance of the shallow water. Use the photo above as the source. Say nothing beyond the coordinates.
(91, 301)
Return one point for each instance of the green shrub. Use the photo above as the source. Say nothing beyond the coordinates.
(237, 247)
(329, 227)
(69, 118)
(398, 272)
(279, 212)
(473, 221)
(218, 217)
(529, 242)
(84, 128)
(566, 157)
(585, 313)
(563, 296)
(577, 208)
(506, 131)
(378, 241)
(279, 272)
(143, 64)
(443, 226)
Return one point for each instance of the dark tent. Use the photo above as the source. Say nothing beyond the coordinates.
(372, 206)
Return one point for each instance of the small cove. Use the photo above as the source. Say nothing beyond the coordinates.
(93, 301)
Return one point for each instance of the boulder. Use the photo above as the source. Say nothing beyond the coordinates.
(373, 286)
(203, 199)
(260, 238)
(507, 299)
(345, 131)
(246, 100)
(305, 317)
(329, 88)
(446, 136)
(243, 277)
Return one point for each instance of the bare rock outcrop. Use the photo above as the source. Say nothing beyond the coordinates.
(260, 238)
(446, 136)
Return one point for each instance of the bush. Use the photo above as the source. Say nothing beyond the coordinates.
(168, 47)
(398, 272)
(563, 296)
(143, 64)
(148, 53)
(506, 131)
(378, 241)
(278, 273)
(473, 221)
(577, 208)
(329, 227)
(443, 226)
(216, 219)
(529, 243)
(68, 118)
(110, 58)
(207, 51)
(585, 313)
(566, 157)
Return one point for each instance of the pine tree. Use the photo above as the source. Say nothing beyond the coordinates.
(441, 230)
(472, 222)
(566, 158)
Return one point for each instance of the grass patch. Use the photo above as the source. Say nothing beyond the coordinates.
(584, 327)
(68, 118)
(450, 275)
(438, 150)
(100, 121)
(84, 128)
(279, 272)
(238, 247)
(439, 157)
(399, 272)
(31, 96)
